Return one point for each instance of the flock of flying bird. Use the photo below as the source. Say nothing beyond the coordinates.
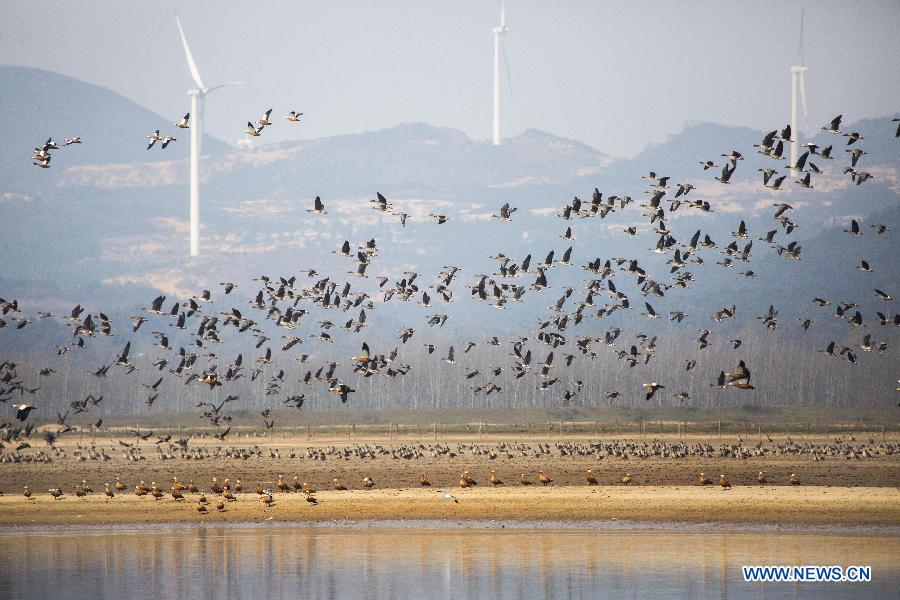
(284, 301)
(41, 157)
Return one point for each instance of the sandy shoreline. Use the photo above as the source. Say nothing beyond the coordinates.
(810, 505)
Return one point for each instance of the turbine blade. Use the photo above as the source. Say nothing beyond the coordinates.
(802, 15)
(190, 59)
(506, 66)
(221, 85)
(503, 14)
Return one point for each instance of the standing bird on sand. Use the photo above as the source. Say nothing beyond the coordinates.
(27, 492)
(423, 480)
(761, 478)
(337, 485)
(704, 480)
(524, 480)
(543, 478)
(794, 480)
(724, 483)
(109, 493)
(368, 483)
(626, 479)
(495, 480)
(589, 477)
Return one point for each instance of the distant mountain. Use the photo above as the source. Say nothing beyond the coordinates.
(39, 104)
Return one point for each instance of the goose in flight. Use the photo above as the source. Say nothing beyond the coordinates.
(835, 126)
(505, 213)
(22, 410)
(651, 389)
(854, 228)
(166, 139)
(852, 138)
(294, 116)
(72, 140)
(264, 120)
(252, 130)
(318, 207)
(183, 123)
(726, 173)
(342, 390)
(153, 138)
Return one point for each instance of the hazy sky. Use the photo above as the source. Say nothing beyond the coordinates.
(616, 74)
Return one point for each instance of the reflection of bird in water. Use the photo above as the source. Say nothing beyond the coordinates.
(724, 483)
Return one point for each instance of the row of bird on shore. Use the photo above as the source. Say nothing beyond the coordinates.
(169, 448)
(227, 490)
(283, 301)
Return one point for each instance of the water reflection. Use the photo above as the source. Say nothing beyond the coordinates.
(275, 562)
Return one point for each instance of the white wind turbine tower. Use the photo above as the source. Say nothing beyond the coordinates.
(798, 79)
(198, 100)
(498, 31)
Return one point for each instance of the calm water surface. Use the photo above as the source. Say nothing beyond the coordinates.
(432, 561)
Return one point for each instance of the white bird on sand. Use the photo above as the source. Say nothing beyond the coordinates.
(449, 496)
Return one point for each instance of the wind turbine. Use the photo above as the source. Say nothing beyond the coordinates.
(498, 31)
(798, 78)
(198, 100)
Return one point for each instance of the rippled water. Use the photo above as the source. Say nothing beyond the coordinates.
(468, 561)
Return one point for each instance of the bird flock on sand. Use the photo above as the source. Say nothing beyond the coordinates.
(228, 490)
(287, 303)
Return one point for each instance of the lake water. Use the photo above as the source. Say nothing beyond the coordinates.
(432, 560)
